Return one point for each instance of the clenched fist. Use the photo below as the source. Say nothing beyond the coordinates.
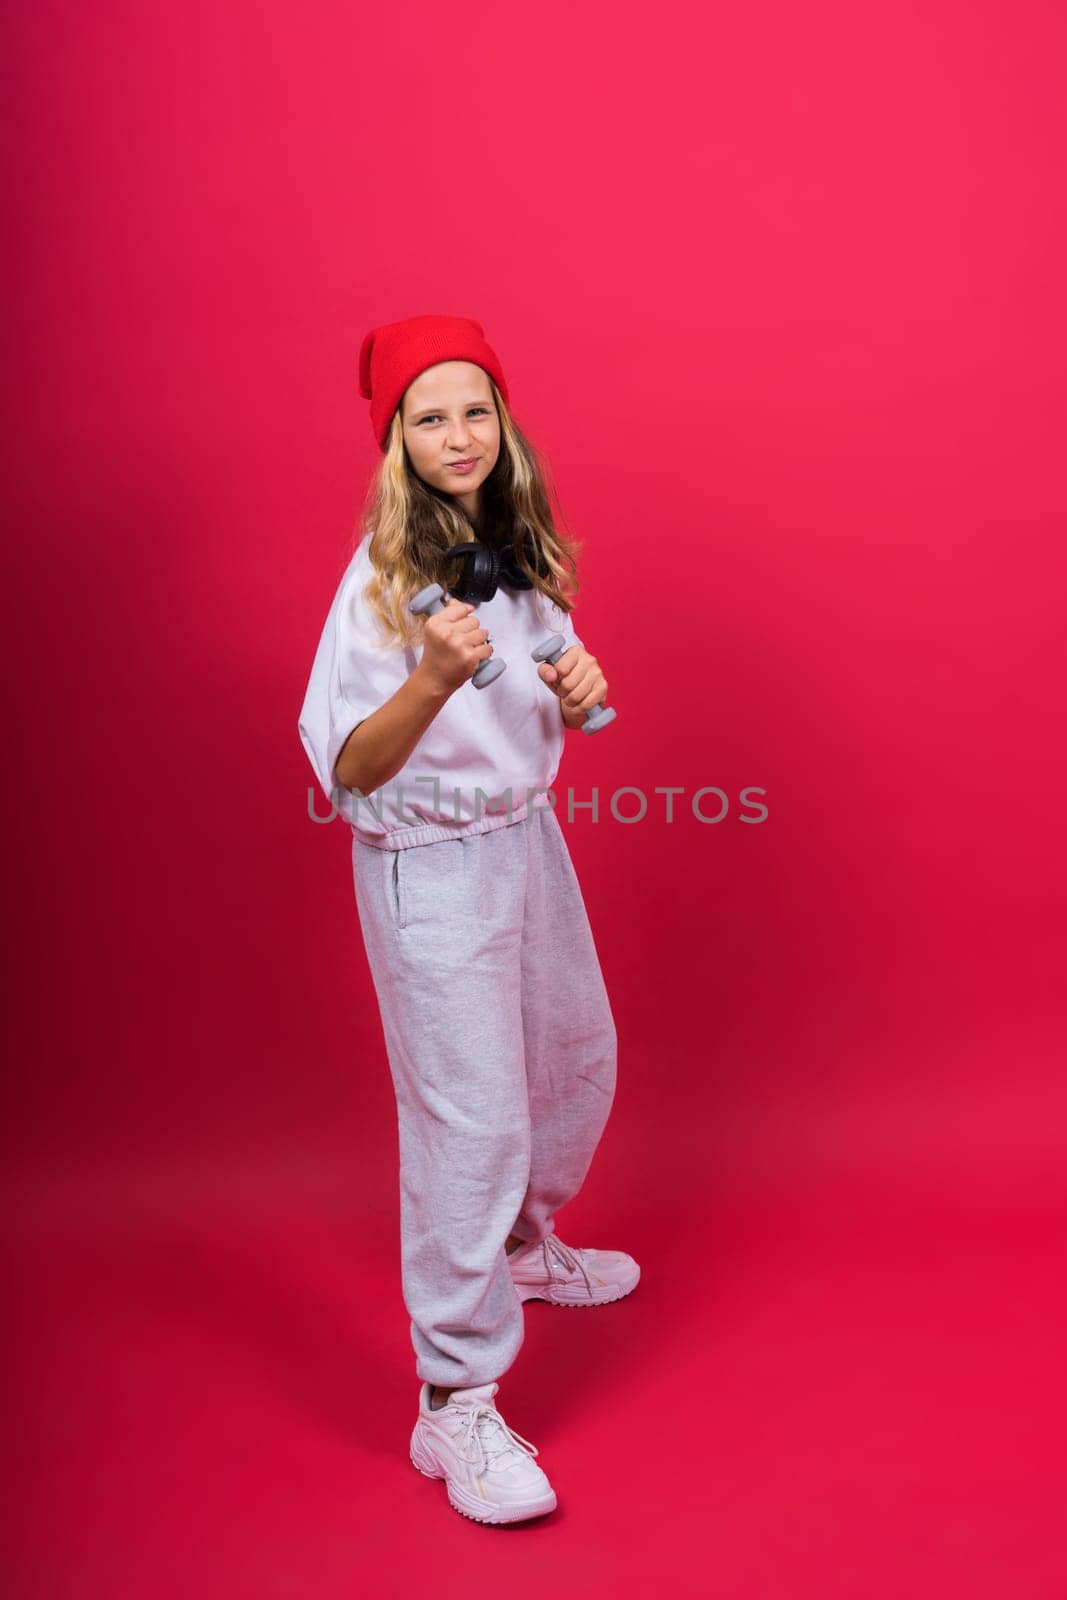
(454, 645)
(578, 681)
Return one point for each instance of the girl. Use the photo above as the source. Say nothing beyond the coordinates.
(498, 1029)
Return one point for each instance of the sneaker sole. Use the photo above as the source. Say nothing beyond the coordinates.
(471, 1505)
(534, 1291)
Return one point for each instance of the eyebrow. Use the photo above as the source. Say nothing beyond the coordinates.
(430, 410)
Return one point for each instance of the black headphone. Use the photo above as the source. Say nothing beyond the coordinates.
(485, 569)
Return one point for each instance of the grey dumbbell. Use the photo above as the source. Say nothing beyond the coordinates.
(551, 651)
(429, 600)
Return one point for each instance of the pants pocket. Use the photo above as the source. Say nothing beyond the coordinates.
(398, 889)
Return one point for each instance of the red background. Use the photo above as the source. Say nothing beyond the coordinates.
(778, 290)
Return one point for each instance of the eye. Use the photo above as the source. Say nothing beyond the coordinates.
(435, 416)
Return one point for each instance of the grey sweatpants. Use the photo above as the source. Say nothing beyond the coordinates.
(502, 1049)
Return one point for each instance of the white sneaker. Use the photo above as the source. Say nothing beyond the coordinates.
(487, 1466)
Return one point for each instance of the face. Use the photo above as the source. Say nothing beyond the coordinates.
(449, 416)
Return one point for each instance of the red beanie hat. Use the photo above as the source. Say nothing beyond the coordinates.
(393, 355)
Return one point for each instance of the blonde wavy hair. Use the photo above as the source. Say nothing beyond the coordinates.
(414, 526)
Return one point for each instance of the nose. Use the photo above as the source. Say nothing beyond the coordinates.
(457, 433)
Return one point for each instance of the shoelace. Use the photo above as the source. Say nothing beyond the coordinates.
(484, 1454)
(571, 1259)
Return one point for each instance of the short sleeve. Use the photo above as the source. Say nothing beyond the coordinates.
(353, 674)
(559, 621)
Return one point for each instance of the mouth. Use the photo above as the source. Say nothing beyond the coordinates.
(469, 462)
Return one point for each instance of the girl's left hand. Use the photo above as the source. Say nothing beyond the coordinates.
(578, 681)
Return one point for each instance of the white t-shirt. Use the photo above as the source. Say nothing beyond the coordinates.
(505, 740)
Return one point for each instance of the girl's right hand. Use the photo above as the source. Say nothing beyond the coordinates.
(454, 646)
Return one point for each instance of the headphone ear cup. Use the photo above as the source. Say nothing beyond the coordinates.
(480, 573)
(510, 573)
(486, 574)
